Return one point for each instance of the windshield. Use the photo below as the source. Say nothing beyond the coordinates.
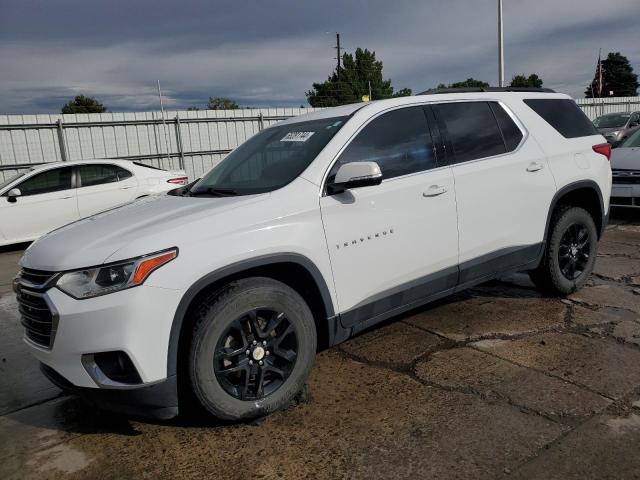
(270, 159)
(14, 177)
(632, 141)
(615, 120)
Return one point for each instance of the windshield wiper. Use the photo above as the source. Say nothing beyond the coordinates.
(215, 192)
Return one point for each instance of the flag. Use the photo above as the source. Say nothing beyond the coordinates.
(599, 75)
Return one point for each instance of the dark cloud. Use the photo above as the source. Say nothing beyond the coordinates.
(269, 52)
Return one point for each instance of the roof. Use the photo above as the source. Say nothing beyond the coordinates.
(429, 96)
(44, 166)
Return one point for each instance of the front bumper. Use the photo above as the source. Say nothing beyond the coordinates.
(625, 195)
(137, 322)
(158, 401)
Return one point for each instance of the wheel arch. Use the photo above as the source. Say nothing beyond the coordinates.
(585, 194)
(295, 270)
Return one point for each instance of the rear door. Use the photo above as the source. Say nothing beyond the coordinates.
(47, 201)
(102, 186)
(503, 187)
(393, 244)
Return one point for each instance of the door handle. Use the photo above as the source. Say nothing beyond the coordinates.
(434, 191)
(534, 167)
(126, 188)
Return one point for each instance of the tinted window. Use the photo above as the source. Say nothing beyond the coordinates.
(123, 173)
(398, 141)
(270, 159)
(510, 131)
(97, 174)
(563, 115)
(46, 182)
(472, 130)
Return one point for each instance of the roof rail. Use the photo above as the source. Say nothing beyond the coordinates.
(435, 91)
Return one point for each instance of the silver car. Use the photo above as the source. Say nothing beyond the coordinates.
(625, 166)
(617, 127)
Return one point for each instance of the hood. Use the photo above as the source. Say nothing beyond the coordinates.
(154, 223)
(625, 158)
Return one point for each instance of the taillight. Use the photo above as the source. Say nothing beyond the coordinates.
(603, 149)
(181, 180)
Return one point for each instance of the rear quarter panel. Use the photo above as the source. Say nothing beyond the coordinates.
(569, 159)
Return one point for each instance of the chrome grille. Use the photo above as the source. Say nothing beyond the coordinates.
(36, 315)
(626, 176)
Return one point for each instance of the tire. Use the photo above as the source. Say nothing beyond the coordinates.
(554, 276)
(233, 385)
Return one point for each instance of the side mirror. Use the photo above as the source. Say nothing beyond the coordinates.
(355, 175)
(13, 194)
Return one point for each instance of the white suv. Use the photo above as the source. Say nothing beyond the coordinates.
(311, 231)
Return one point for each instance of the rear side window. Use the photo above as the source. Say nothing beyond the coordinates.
(52, 180)
(510, 131)
(472, 130)
(398, 141)
(563, 115)
(98, 174)
(123, 173)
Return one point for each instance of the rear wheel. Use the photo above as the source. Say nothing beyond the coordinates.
(569, 254)
(253, 346)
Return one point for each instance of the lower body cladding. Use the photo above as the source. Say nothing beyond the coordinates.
(625, 194)
(113, 349)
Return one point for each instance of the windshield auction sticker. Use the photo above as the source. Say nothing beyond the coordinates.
(297, 137)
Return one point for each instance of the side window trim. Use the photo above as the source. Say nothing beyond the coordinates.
(437, 137)
(355, 134)
(495, 117)
(446, 140)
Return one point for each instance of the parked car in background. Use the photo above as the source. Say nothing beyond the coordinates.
(311, 231)
(625, 164)
(45, 197)
(617, 127)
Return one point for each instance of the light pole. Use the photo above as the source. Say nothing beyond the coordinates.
(500, 47)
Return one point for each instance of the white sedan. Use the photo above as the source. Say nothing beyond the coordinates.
(49, 196)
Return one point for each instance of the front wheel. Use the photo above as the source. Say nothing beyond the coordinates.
(570, 252)
(252, 349)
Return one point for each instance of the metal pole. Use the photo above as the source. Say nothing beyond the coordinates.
(61, 141)
(166, 133)
(500, 46)
(179, 142)
(338, 52)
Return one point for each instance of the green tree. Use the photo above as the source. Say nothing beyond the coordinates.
(403, 92)
(221, 103)
(532, 81)
(352, 81)
(617, 77)
(82, 104)
(468, 83)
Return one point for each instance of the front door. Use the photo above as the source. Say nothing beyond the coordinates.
(47, 201)
(394, 244)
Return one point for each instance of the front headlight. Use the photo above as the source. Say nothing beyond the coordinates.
(91, 282)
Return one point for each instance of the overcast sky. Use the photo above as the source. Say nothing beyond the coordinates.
(269, 52)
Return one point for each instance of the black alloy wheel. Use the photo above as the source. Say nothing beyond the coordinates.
(574, 251)
(256, 354)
